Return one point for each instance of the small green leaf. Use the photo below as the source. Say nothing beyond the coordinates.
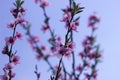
(74, 5)
(14, 4)
(78, 11)
(76, 8)
(76, 19)
(21, 3)
(51, 78)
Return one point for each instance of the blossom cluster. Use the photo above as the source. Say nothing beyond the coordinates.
(67, 18)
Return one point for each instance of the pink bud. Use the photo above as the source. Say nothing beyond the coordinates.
(9, 66)
(16, 59)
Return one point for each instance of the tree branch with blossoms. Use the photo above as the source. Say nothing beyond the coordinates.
(85, 69)
(18, 13)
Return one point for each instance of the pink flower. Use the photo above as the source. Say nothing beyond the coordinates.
(21, 21)
(18, 35)
(87, 64)
(79, 68)
(68, 9)
(44, 3)
(36, 1)
(43, 47)
(88, 47)
(82, 54)
(71, 46)
(12, 75)
(4, 77)
(99, 55)
(88, 41)
(91, 55)
(87, 75)
(36, 38)
(11, 24)
(63, 50)
(45, 28)
(22, 10)
(5, 50)
(73, 26)
(66, 17)
(95, 75)
(67, 55)
(93, 19)
(77, 23)
(59, 39)
(14, 12)
(39, 57)
(32, 40)
(90, 38)
(9, 66)
(10, 40)
(53, 49)
(84, 43)
(15, 59)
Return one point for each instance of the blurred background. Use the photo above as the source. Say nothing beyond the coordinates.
(107, 35)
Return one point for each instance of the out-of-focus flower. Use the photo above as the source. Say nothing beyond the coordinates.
(36, 1)
(63, 50)
(4, 77)
(44, 3)
(11, 24)
(87, 75)
(73, 26)
(93, 19)
(16, 59)
(88, 47)
(38, 56)
(9, 66)
(10, 40)
(82, 55)
(71, 46)
(67, 9)
(59, 39)
(92, 55)
(22, 10)
(53, 49)
(18, 35)
(14, 12)
(79, 68)
(66, 17)
(45, 28)
(95, 75)
(12, 75)
(77, 23)
(5, 50)
(43, 47)
(21, 21)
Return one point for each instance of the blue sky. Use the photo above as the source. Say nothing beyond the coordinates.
(107, 35)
